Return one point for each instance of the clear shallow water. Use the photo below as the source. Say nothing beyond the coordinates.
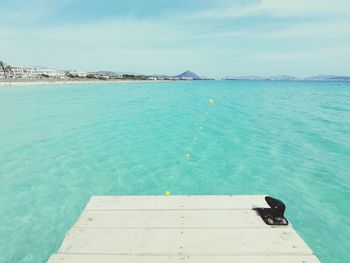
(61, 144)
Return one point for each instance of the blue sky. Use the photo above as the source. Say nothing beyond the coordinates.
(210, 37)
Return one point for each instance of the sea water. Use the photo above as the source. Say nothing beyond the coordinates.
(61, 144)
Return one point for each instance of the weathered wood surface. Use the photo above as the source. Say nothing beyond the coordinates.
(83, 258)
(208, 202)
(170, 219)
(191, 229)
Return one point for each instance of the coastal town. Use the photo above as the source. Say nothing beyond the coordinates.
(24, 73)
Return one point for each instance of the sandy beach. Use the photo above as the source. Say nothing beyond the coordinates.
(10, 83)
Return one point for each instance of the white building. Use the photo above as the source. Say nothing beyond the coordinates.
(51, 73)
(76, 73)
(16, 72)
(34, 73)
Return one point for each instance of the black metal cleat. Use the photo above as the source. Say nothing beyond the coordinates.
(275, 214)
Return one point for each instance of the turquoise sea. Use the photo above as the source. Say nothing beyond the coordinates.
(60, 144)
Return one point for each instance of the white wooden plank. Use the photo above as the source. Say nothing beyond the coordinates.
(232, 241)
(190, 229)
(83, 258)
(176, 202)
(170, 219)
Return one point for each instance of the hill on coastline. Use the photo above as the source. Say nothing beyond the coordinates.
(188, 74)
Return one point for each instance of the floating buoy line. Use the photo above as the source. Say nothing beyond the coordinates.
(195, 138)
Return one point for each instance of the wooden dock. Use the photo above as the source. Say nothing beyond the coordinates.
(190, 229)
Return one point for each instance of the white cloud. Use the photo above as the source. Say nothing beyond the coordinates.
(304, 7)
(24, 12)
(306, 30)
(170, 45)
(115, 44)
(275, 8)
(323, 54)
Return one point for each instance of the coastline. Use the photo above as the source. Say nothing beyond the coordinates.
(13, 83)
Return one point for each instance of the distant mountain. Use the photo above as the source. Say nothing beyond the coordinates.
(245, 78)
(188, 75)
(283, 77)
(328, 78)
(108, 73)
(292, 78)
(340, 78)
(278, 77)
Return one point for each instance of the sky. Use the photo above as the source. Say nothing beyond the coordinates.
(214, 38)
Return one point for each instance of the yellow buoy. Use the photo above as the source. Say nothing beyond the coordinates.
(187, 156)
(210, 101)
(167, 193)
